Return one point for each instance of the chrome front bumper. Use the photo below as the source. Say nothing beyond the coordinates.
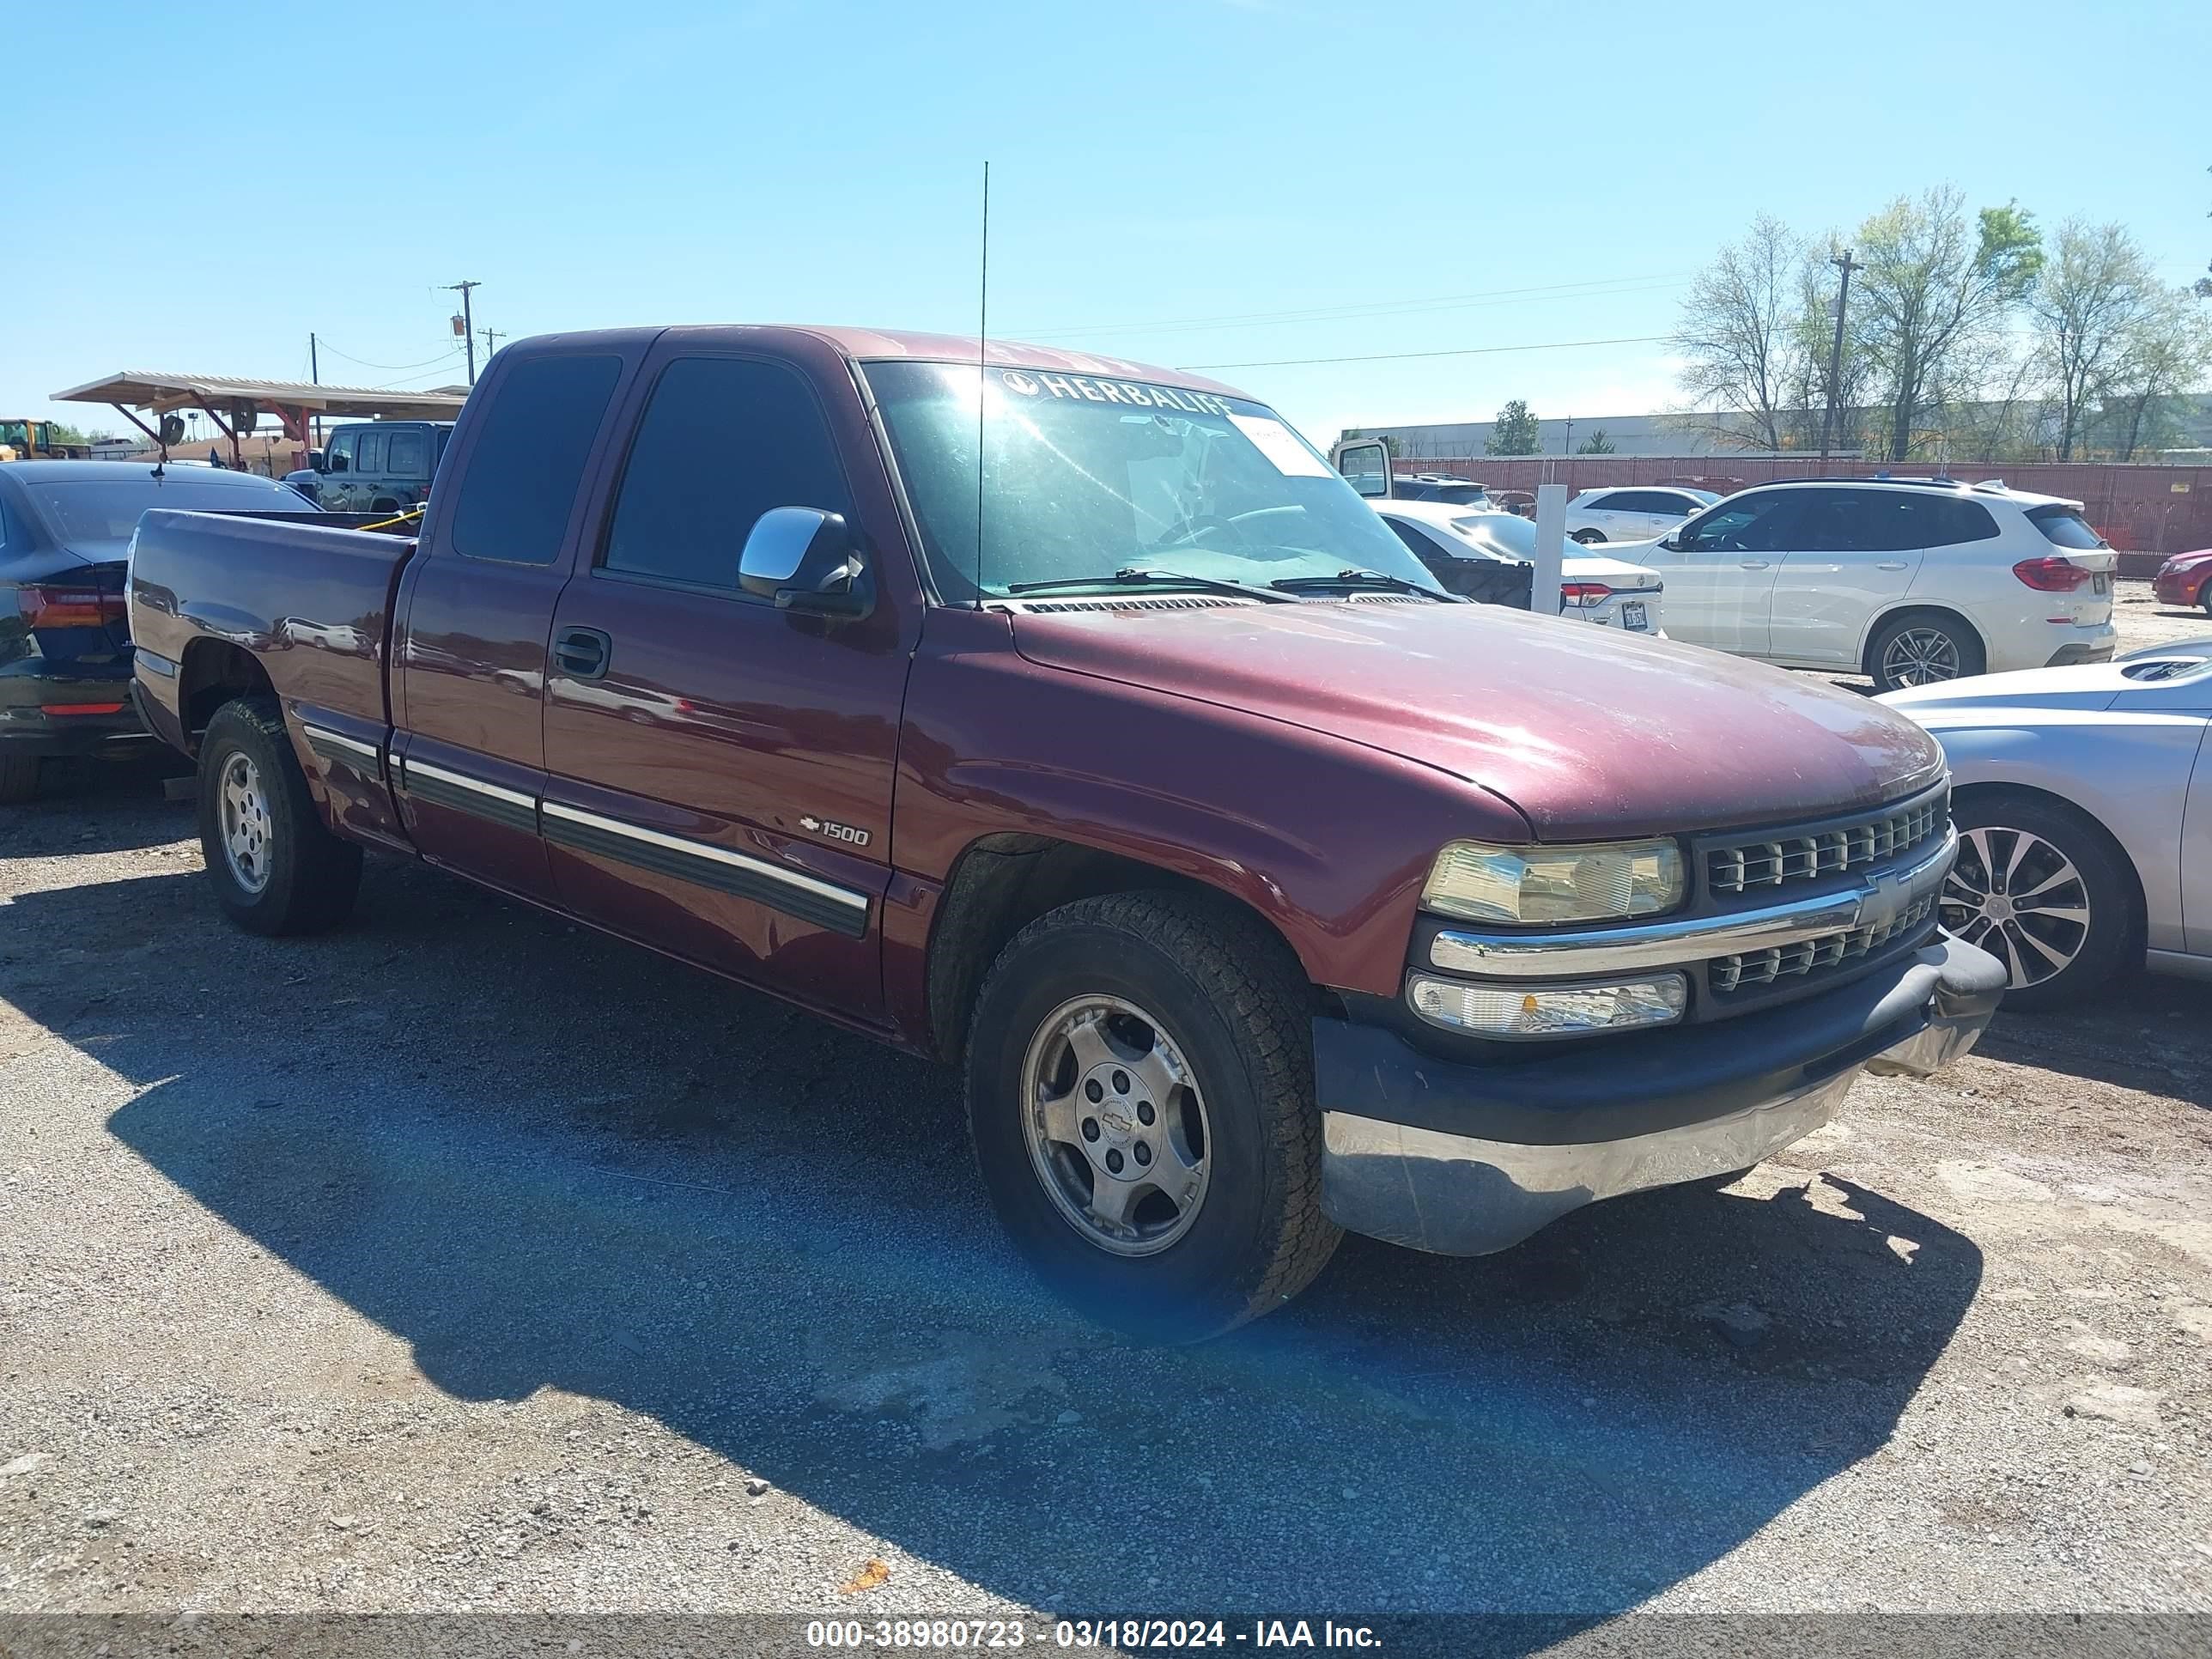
(1464, 1194)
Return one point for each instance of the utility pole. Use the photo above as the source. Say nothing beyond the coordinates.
(492, 336)
(468, 324)
(1844, 264)
(315, 374)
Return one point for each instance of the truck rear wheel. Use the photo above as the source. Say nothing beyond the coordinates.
(276, 868)
(1140, 1098)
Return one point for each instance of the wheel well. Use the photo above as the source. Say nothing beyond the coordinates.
(1944, 613)
(1963, 794)
(1002, 884)
(213, 672)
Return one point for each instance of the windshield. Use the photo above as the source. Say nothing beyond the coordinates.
(108, 510)
(1087, 476)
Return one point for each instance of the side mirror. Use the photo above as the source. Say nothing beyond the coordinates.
(808, 561)
(315, 460)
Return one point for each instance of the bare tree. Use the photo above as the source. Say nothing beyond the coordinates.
(2166, 352)
(1739, 340)
(2091, 302)
(1933, 280)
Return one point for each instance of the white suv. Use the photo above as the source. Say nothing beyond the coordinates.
(1632, 515)
(1908, 581)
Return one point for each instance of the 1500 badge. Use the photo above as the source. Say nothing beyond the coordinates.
(844, 832)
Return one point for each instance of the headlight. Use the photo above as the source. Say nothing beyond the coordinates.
(1599, 882)
(1548, 1010)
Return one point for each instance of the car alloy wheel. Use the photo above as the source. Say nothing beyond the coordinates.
(1920, 656)
(246, 826)
(1116, 1125)
(2022, 899)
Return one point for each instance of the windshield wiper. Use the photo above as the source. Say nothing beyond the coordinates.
(1134, 576)
(1363, 579)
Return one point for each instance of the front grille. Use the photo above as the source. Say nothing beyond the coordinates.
(1740, 973)
(1831, 849)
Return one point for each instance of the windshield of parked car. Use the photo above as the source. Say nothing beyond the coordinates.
(1504, 533)
(107, 510)
(1085, 475)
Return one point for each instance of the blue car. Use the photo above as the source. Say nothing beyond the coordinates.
(65, 645)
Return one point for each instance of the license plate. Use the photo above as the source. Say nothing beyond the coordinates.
(1631, 614)
(2100, 583)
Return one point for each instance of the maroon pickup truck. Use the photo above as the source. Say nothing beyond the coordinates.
(1074, 722)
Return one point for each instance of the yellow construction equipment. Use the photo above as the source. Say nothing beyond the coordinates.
(34, 440)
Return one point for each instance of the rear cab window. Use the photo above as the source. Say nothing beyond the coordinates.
(2064, 526)
(519, 484)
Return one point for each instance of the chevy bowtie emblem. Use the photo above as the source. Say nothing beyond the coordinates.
(812, 826)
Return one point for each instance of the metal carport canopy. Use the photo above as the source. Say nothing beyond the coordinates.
(165, 392)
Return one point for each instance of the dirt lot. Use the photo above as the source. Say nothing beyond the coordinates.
(463, 1258)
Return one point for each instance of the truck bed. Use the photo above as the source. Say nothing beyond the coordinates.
(308, 598)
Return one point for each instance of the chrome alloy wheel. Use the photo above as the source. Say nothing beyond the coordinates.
(1116, 1125)
(1920, 656)
(2020, 899)
(246, 826)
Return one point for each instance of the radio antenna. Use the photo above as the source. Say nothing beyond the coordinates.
(983, 348)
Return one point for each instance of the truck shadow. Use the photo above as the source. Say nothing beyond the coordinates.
(543, 1159)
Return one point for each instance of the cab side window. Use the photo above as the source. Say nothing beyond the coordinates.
(723, 441)
(339, 457)
(371, 455)
(519, 485)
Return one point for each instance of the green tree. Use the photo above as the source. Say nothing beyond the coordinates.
(1513, 433)
(1596, 444)
(1935, 285)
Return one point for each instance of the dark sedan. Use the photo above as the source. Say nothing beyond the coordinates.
(64, 646)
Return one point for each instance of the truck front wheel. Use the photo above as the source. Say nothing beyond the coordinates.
(276, 868)
(1141, 1096)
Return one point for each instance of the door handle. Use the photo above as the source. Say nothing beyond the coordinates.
(1890, 564)
(1755, 564)
(582, 652)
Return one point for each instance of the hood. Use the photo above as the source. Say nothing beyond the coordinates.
(1591, 735)
(2187, 561)
(2146, 675)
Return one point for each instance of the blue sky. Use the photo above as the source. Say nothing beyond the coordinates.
(1437, 178)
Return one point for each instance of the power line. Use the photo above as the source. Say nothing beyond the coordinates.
(1589, 287)
(1468, 351)
(395, 367)
(442, 365)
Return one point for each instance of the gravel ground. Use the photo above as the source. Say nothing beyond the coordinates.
(467, 1259)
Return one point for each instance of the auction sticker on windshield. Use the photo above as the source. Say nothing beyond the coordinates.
(1280, 445)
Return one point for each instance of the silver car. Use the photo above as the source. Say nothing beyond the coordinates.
(2083, 799)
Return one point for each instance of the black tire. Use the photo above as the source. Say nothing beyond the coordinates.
(19, 778)
(312, 876)
(1964, 644)
(2204, 597)
(2102, 952)
(1229, 996)
(1590, 537)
